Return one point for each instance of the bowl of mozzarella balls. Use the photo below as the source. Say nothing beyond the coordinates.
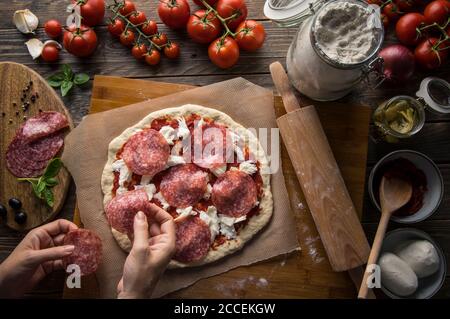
(412, 265)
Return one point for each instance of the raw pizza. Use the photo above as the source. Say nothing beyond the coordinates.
(209, 172)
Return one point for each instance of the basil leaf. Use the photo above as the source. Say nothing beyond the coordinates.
(80, 78)
(41, 185)
(36, 191)
(52, 169)
(48, 196)
(56, 79)
(66, 86)
(51, 182)
(67, 71)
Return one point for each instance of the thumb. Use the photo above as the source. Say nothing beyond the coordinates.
(140, 231)
(49, 254)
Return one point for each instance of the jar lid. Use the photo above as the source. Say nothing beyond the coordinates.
(436, 94)
(290, 12)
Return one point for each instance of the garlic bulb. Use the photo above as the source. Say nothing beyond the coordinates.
(35, 46)
(25, 21)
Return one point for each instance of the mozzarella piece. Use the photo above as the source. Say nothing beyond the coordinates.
(227, 225)
(121, 190)
(199, 123)
(162, 200)
(175, 160)
(248, 167)
(150, 189)
(210, 219)
(219, 170)
(184, 212)
(239, 153)
(182, 130)
(207, 194)
(169, 133)
(124, 172)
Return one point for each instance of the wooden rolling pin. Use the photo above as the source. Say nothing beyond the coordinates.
(318, 173)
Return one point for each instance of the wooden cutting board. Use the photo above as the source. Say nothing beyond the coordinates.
(305, 274)
(14, 78)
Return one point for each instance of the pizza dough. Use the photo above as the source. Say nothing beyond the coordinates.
(421, 256)
(190, 251)
(397, 276)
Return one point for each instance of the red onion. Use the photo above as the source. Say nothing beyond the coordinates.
(398, 63)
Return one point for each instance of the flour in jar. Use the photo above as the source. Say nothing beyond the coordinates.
(346, 32)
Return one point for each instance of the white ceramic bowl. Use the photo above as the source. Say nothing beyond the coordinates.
(428, 286)
(435, 184)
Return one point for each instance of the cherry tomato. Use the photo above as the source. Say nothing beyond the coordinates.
(406, 28)
(92, 11)
(116, 27)
(81, 41)
(224, 52)
(385, 21)
(428, 56)
(228, 8)
(153, 57)
(203, 28)
(210, 2)
(437, 11)
(392, 11)
(150, 27)
(53, 28)
(172, 50)
(377, 2)
(160, 39)
(174, 13)
(405, 5)
(138, 51)
(127, 38)
(137, 17)
(50, 53)
(127, 8)
(250, 35)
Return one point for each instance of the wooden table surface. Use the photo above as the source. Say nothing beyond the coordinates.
(194, 68)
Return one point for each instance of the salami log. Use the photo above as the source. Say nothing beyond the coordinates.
(184, 185)
(193, 239)
(121, 210)
(88, 250)
(234, 193)
(146, 152)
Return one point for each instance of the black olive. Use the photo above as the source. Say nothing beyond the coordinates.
(3, 211)
(20, 218)
(15, 203)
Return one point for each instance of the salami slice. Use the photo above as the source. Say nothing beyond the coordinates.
(146, 152)
(193, 239)
(234, 193)
(184, 185)
(88, 250)
(121, 210)
(44, 124)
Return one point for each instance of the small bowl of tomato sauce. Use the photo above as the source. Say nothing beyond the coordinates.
(424, 176)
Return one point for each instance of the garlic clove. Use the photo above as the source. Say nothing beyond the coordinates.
(35, 47)
(25, 21)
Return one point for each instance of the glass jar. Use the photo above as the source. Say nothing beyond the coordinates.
(322, 77)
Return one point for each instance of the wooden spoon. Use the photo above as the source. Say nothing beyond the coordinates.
(394, 193)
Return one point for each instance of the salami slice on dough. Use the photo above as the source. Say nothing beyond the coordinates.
(88, 250)
(193, 239)
(146, 152)
(121, 210)
(184, 185)
(234, 193)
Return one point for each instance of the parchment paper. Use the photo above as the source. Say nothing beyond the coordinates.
(85, 155)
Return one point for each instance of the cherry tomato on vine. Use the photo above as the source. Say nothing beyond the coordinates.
(174, 13)
(137, 17)
(428, 55)
(127, 8)
(92, 11)
(377, 2)
(405, 5)
(50, 53)
(203, 28)
(406, 28)
(385, 21)
(250, 35)
(53, 28)
(116, 27)
(160, 39)
(81, 41)
(138, 51)
(172, 50)
(210, 2)
(149, 28)
(392, 11)
(153, 57)
(228, 8)
(437, 11)
(127, 38)
(224, 52)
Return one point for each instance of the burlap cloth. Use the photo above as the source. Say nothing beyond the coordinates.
(86, 153)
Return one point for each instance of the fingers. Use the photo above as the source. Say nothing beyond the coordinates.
(159, 214)
(140, 231)
(37, 257)
(60, 226)
(154, 229)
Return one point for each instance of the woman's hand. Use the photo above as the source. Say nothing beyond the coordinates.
(149, 257)
(37, 255)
